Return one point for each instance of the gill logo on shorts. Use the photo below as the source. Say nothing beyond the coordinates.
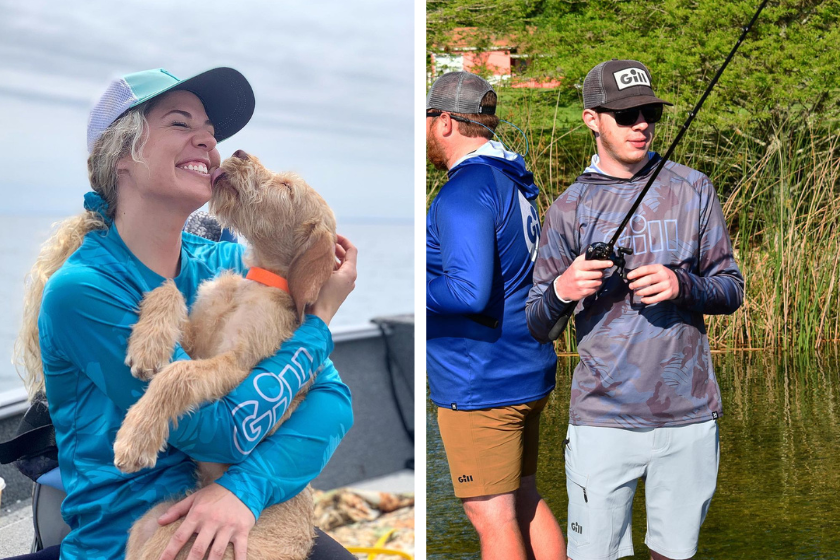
(465, 478)
(577, 528)
(631, 77)
(261, 415)
(648, 236)
(530, 224)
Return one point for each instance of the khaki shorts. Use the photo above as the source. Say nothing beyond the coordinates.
(490, 450)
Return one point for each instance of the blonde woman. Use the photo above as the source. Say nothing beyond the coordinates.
(152, 141)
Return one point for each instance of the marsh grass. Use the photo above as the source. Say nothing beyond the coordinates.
(780, 190)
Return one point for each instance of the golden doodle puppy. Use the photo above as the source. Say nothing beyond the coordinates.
(233, 325)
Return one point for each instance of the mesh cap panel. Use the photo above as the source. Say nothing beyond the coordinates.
(594, 93)
(116, 100)
(460, 92)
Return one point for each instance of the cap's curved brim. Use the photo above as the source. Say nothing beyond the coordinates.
(630, 102)
(226, 95)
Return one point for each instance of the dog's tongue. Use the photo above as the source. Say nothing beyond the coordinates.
(217, 173)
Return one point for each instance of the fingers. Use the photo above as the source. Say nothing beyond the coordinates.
(647, 275)
(644, 271)
(653, 289)
(582, 279)
(178, 540)
(654, 283)
(201, 544)
(351, 253)
(645, 281)
(220, 544)
(347, 255)
(240, 548)
(593, 265)
(589, 275)
(177, 511)
(662, 296)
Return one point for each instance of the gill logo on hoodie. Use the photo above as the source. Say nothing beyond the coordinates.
(530, 225)
(643, 235)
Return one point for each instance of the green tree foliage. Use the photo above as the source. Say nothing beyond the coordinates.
(767, 135)
(787, 66)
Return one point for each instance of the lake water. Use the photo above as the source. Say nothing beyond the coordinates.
(385, 284)
(779, 479)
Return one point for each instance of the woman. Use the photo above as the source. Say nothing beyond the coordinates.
(152, 141)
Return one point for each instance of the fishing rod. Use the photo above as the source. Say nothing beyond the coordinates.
(608, 251)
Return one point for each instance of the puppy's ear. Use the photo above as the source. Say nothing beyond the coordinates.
(312, 266)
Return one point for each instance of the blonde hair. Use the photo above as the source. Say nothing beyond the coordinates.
(126, 136)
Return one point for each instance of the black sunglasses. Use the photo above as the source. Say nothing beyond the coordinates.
(628, 117)
(435, 113)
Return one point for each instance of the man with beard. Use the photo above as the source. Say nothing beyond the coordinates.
(489, 378)
(644, 399)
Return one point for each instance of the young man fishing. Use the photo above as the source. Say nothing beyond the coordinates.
(644, 398)
(488, 376)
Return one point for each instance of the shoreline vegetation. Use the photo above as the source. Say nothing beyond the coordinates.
(768, 141)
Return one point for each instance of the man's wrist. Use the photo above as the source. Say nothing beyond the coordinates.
(557, 293)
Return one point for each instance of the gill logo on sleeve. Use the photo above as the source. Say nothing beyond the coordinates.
(530, 224)
(262, 415)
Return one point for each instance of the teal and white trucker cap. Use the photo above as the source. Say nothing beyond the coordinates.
(227, 97)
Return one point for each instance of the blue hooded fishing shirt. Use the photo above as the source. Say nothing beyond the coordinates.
(88, 309)
(482, 232)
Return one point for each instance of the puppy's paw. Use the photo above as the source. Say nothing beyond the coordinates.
(138, 442)
(163, 314)
(145, 357)
(128, 460)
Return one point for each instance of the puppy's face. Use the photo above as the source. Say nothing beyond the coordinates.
(288, 225)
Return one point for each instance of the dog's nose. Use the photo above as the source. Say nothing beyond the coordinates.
(241, 155)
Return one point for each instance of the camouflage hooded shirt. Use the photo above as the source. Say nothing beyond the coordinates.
(640, 365)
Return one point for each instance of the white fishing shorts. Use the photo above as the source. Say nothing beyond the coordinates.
(603, 465)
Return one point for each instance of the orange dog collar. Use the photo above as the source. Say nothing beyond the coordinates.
(268, 278)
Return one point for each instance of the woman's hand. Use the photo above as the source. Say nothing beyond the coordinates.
(217, 517)
(340, 284)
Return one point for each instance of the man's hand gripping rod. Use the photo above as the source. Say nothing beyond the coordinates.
(607, 251)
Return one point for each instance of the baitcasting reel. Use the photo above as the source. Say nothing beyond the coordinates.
(603, 252)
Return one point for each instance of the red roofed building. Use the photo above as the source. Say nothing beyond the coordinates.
(499, 59)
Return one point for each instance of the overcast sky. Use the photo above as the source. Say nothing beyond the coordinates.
(332, 80)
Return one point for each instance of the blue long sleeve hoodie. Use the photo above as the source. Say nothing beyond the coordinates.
(482, 233)
(88, 310)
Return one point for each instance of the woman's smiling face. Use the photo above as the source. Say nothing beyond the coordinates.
(178, 156)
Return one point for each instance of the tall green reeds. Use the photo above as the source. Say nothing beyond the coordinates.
(784, 213)
(780, 191)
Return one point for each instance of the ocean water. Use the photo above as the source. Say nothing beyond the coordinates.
(385, 283)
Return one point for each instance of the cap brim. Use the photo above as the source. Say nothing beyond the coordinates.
(631, 102)
(226, 95)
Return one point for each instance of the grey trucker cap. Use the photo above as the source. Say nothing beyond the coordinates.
(460, 92)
